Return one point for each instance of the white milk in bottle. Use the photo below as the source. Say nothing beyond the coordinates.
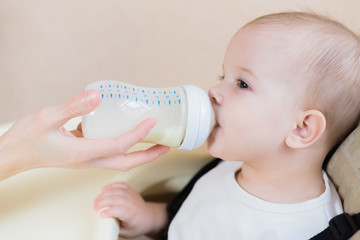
(184, 114)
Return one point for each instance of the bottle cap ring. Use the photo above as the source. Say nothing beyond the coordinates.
(200, 119)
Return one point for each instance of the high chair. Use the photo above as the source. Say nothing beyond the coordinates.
(343, 169)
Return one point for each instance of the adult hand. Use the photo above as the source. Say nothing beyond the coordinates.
(40, 140)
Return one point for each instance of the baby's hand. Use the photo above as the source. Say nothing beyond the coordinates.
(136, 216)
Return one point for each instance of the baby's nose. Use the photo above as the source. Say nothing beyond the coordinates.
(215, 95)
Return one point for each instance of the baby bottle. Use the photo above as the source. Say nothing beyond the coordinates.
(184, 114)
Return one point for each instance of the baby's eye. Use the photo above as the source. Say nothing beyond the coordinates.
(242, 84)
(221, 77)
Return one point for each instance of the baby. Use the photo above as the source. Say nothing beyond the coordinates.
(288, 95)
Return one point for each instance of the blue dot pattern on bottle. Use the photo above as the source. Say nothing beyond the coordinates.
(126, 92)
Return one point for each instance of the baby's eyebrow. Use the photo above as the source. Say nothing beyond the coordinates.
(244, 69)
(248, 71)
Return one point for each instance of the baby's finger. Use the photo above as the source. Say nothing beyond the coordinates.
(119, 212)
(110, 193)
(111, 199)
(121, 185)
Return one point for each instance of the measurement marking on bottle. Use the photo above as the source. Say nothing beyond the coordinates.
(161, 97)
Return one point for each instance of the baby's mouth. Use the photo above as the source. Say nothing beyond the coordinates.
(215, 120)
(217, 124)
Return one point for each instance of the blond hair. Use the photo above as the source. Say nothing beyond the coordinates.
(330, 61)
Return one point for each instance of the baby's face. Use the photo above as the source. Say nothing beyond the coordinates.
(255, 104)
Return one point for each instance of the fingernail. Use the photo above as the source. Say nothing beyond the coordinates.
(153, 123)
(167, 149)
(153, 120)
(91, 99)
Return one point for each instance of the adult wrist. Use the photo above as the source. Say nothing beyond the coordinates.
(11, 161)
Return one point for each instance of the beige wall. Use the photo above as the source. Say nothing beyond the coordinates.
(50, 49)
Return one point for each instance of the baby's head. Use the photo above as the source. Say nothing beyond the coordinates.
(328, 65)
(297, 78)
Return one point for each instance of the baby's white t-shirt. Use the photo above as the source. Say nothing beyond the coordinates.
(218, 208)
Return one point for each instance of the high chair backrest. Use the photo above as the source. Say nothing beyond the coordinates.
(344, 170)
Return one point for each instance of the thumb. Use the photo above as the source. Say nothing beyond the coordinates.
(79, 105)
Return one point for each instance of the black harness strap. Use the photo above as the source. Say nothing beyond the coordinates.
(341, 227)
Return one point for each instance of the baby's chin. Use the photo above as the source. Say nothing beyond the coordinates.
(211, 146)
(215, 147)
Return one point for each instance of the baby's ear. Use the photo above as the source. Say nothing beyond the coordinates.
(310, 126)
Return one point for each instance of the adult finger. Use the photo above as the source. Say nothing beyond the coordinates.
(124, 142)
(141, 157)
(130, 160)
(79, 105)
(106, 147)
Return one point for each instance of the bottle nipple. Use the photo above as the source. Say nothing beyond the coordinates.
(200, 120)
